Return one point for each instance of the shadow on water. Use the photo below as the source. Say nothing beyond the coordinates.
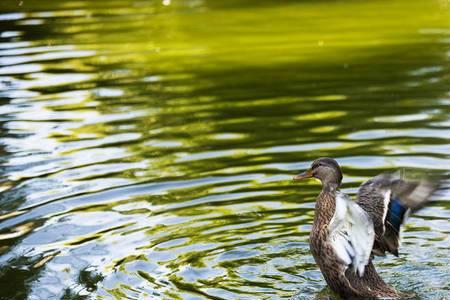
(147, 147)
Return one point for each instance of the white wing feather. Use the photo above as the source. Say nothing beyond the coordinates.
(351, 233)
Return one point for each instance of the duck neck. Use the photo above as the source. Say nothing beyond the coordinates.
(330, 187)
(325, 205)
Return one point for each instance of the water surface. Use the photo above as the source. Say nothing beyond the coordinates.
(147, 147)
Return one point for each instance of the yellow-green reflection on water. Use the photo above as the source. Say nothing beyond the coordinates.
(148, 146)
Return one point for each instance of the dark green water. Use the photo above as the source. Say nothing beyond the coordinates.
(147, 147)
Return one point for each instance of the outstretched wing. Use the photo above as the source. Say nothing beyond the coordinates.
(389, 200)
(351, 233)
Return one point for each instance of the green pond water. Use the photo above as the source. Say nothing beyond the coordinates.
(147, 147)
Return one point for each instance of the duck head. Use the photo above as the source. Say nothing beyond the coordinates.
(325, 169)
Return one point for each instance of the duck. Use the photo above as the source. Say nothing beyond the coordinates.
(346, 235)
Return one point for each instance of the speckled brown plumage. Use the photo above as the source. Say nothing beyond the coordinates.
(344, 282)
(382, 200)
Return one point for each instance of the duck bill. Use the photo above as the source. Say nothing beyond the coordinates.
(305, 175)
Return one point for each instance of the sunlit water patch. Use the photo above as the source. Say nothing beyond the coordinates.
(147, 148)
